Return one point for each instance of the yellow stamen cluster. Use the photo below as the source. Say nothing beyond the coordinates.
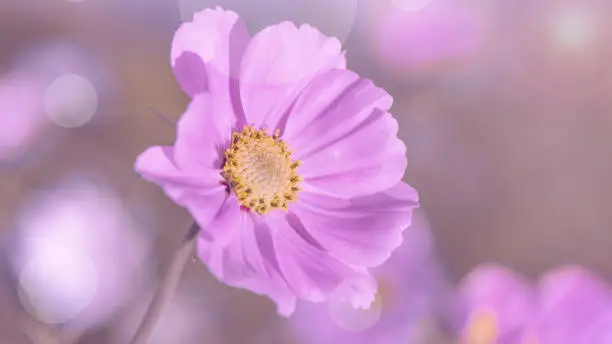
(259, 168)
(482, 328)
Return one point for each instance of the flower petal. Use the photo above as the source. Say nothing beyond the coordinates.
(207, 51)
(238, 251)
(202, 194)
(499, 305)
(599, 331)
(341, 131)
(278, 63)
(363, 231)
(571, 301)
(372, 157)
(204, 132)
(309, 270)
(331, 106)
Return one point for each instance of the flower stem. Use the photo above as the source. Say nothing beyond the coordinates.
(167, 286)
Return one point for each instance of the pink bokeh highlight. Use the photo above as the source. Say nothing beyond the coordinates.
(437, 33)
(21, 117)
(79, 257)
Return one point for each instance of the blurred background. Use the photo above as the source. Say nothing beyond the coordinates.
(505, 106)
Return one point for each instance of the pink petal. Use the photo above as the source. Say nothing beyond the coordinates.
(341, 132)
(207, 51)
(278, 63)
(238, 250)
(202, 194)
(309, 270)
(204, 132)
(226, 224)
(333, 104)
(599, 331)
(371, 158)
(362, 231)
(571, 300)
(512, 300)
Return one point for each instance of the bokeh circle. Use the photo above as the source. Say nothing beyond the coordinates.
(562, 46)
(348, 317)
(70, 101)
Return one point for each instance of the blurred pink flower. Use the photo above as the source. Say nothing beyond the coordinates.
(440, 30)
(413, 296)
(568, 306)
(21, 116)
(439, 37)
(288, 161)
(498, 306)
(575, 308)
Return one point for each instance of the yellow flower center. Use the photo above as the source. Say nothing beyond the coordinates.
(482, 328)
(259, 169)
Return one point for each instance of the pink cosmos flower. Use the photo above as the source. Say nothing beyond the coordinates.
(498, 305)
(289, 162)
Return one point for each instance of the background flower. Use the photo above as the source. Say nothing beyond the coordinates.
(575, 308)
(498, 306)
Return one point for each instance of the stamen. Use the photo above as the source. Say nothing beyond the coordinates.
(482, 328)
(259, 168)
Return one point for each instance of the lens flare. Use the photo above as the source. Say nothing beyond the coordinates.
(562, 46)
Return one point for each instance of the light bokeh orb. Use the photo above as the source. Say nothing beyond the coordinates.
(572, 29)
(78, 255)
(77, 83)
(350, 317)
(71, 101)
(57, 284)
(562, 46)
